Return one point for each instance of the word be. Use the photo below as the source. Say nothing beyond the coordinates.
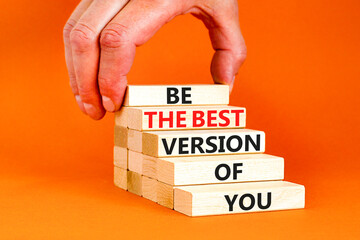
(173, 98)
(248, 197)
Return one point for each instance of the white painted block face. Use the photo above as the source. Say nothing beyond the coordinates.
(219, 169)
(162, 95)
(214, 199)
(182, 117)
(203, 142)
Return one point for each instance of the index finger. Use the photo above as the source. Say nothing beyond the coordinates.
(132, 27)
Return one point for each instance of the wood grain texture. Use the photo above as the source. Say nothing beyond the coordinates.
(157, 95)
(219, 169)
(149, 188)
(149, 166)
(121, 157)
(120, 177)
(134, 141)
(134, 184)
(214, 199)
(121, 117)
(183, 117)
(135, 162)
(202, 142)
(121, 136)
(165, 195)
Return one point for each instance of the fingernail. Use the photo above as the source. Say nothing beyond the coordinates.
(90, 109)
(108, 104)
(80, 103)
(78, 100)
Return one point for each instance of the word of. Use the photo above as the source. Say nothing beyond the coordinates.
(228, 171)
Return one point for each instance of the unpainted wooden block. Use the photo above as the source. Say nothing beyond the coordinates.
(165, 195)
(135, 162)
(184, 117)
(134, 140)
(121, 118)
(214, 199)
(219, 169)
(202, 142)
(160, 95)
(121, 136)
(142, 164)
(134, 184)
(120, 177)
(149, 166)
(149, 188)
(121, 157)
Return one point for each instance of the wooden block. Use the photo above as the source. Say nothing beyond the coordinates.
(183, 117)
(149, 166)
(121, 118)
(219, 169)
(135, 162)
(120, 177)
(202, 142)
(142, 164)
(120, 136)
(230, 198)
(121, 157)
(134, 140)
(149, 188)
(134, 184)
(160, 95)
(165, 195)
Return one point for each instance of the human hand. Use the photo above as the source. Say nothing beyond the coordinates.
(98, 71)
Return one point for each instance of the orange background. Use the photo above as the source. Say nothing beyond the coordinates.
(300, 84)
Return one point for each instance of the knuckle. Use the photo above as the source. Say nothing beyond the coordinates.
(111, 87)
(106, 83)
(69, 25)
(114, 36)
(87, 94)
(82, 37)
(240, 54)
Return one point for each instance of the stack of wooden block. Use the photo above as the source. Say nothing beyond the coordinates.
(184, 148)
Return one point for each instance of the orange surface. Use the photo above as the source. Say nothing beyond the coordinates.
(300, 84)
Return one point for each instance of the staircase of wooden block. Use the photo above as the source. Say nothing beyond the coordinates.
(184, 148)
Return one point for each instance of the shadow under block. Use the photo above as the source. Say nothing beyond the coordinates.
(120, 157)
(121, 136)
(149, 188)
(134, 183)
(219, 169)
(181, 117)
(120, 177)
(201, 200)
(160, 95)
(202, 142)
